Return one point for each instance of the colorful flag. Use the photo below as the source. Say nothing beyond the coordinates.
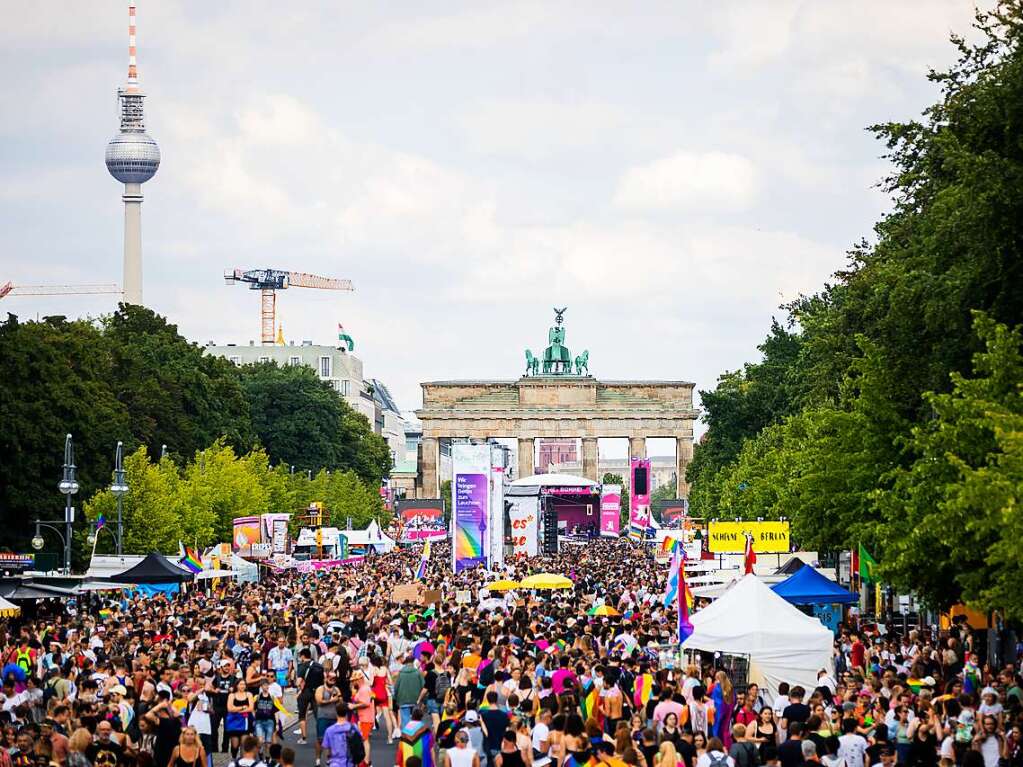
(671, 587)
(100, 522)
(105, 613)
(189, 559)
(643, 689)
(750, 557)
(685, 628)
(421, 572)
(588, 699)
(868, 566)
(669, 545)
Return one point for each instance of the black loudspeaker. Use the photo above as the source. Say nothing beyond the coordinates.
(640, 481)
(550, 532)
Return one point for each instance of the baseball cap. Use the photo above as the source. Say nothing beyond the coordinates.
(471, 716)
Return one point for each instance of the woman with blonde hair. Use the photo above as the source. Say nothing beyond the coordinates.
(667, 756)
(724, 704)
(77, 745)
(189, 751)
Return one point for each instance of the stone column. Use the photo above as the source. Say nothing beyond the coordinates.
(590, 453)
(428, 459)
(637, 447)
(683, 456)
(526, 457)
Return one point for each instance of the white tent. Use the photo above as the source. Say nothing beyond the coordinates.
(783, 644)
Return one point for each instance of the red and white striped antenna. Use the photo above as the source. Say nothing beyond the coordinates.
(133, 77)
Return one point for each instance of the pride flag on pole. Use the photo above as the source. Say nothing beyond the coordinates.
(421, 572)
(685, 628)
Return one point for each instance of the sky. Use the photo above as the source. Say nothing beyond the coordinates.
(670, 171)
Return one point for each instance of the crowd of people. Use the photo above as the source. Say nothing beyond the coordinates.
(471, 679)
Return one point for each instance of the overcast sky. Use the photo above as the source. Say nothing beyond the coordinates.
(671, 171)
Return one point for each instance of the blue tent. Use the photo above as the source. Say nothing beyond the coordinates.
(808, 587)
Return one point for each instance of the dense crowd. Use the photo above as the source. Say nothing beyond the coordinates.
(503, 679)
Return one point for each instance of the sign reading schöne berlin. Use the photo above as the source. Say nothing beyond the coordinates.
(730, 537)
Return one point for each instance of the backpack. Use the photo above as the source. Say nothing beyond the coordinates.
(441, 686)
(356, 746)
(718, 761)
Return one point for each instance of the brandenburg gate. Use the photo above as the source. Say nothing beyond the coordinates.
(555, 399)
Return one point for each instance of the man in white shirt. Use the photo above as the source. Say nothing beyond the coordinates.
(715, 755)
(852, 747)
(541, 734)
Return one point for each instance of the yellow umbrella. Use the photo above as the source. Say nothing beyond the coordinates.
(8, 609)
(603, 610)
(546, 581)
(502, 586)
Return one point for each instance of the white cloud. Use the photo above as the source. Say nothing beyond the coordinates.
(686, 180)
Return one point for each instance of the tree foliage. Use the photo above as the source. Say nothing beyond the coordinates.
(884, 412)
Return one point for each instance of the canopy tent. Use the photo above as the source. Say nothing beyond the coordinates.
(153, 569)
(791, 567)
(783, 644)
(809, 587)
(371, 536)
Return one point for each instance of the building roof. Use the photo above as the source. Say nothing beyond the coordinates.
(554, 480)
(383, 396)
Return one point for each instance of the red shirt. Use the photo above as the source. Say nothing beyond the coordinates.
(856, 653)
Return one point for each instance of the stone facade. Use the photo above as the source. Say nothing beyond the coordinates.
(556, 407)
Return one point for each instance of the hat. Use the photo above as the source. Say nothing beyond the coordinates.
(118, 689)
(988, 691)
(471, 716)
(929, 681)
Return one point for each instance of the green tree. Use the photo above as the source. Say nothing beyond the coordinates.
(958, 502)
(303, 422)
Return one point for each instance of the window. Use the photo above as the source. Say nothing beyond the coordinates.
(294, 361)
(236, 360)
(324, 367)
(345, 386)
(264, 358)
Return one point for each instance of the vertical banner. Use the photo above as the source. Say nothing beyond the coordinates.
(610, 510)
(269, 524)
(525, 529)
(639, 495)
(496, 526)
(470, 505)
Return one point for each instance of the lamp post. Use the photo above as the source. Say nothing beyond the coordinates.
(38, 542)
(68, 486)
(119, 488)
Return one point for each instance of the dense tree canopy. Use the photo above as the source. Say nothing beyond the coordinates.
(885, 413)
(132, 377)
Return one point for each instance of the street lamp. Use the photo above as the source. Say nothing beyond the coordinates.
(68, 485)
(119, 488)
(38, 542)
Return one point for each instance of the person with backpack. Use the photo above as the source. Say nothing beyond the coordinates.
(342, 744)
(743, 752)
(309, 677)
(715, 755)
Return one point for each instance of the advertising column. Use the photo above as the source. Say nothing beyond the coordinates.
(610, 510)
(496, 505)
(470, 505)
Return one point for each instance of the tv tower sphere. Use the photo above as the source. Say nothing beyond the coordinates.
(132, 158)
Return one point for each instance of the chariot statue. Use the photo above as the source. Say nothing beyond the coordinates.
(557, 359)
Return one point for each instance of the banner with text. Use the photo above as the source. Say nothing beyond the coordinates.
(611, 510)
(730, 537)
(525, 529)
(470, 505)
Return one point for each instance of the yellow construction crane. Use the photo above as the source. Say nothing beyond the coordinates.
(269, 281)
(10, 289)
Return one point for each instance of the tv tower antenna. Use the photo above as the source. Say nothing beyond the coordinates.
(132, 158)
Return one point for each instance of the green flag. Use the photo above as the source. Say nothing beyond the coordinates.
(868, 566)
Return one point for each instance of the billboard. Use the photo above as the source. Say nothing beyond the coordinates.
(246, 532)
(470, 505)
(611, 510)
(420, 519)
(670, 512)
(525, 528)
(274, 530)
(730, 537)
(639, 496)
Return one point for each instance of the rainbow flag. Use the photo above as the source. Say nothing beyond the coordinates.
(190, 560)
(105, 613)
(588, 700)
(416, 740)
(685, 628)
(573, 761)
(669, 545)
(643, 689)
(100, 522)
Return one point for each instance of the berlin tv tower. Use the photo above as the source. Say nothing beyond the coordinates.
(132, 158)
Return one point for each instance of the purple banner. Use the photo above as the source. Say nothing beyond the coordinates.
(470, 494)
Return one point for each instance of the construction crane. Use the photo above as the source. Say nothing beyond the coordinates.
(269, 281)
(10, 289)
